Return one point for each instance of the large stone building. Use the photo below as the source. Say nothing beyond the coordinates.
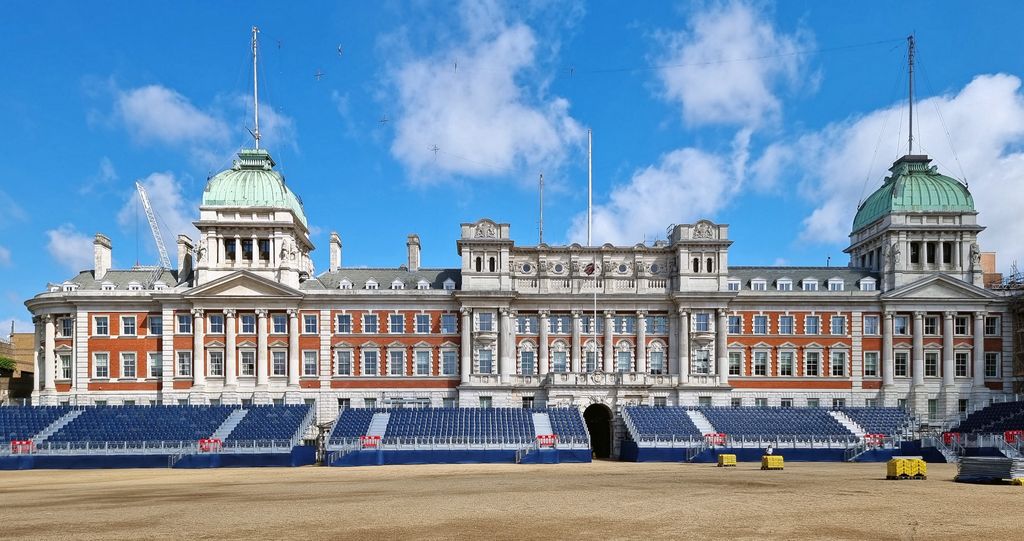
(245, 317)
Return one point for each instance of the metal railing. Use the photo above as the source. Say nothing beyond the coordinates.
(165, 447)
(348, 445)
(780, 441)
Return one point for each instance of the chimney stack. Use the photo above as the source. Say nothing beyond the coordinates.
(413, 245)
(102, 253)
(184, 248)
(335, 252)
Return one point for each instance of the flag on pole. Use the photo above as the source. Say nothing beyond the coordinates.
(589, 269)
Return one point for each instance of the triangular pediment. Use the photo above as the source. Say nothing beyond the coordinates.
(939, 286)
(243, 284)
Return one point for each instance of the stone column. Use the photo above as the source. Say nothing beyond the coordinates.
(575, 353)
(721, 346)
(888, 364)
(49, 355)
(543, 363)
(504, 341)
(609, 347)
(230, 349)
(238, 252)
(684, 346)
(262, 368)
(293, 347)
(979, 351)
(641, 342)
(198, 349)
(918, 352)
(466, 349)
(673, 344)
(948, 369)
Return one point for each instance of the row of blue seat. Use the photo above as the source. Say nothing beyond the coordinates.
(270, 423)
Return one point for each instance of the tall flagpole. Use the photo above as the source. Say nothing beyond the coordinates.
(590, 184)
(910, 98)
(255, 90)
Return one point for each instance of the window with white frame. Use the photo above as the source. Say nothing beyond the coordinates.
(526, 324)
(931, 326)
(184, 365)
(837, 326)
(422, 323)
(449, 284)
(184, 324)
(279, 324)
(761, 324)
(279, 363)
(838, 363)
(991, 325)
(760, 363)
(991, 364)
(901, 364)
(810, 285)
(812, 325)
(527, 362)
(128, 326)
(759, 284)
(624, 324)
(657, 363)
(422, 358)
(961, 361)
(868, 284)
(784, 285)
(309, 325)
(247, 363)
(701, 362)
(248, 323)
(899, 326)
(735, 324)
(216, 362)
(156, 325)
(67, 327)
(786, 325)
(100, 365)
(105, 286)
(370, 324)
(657, 325)
(590, 360)
(449, 362)
(871, 364)
(345, 284)
(702, 322)
(371, 361)
(589, 323)
(101, 326)
(485, 321)
(871, 325)
(155, 364)
(343, 324)
(216, 324)
(836, 284)
(812, 363)
(449, 324)
(559, 360)
(961, 325)
(486, 359)
(309, 362)
(422, 284)
(371, 284)
(397, 284)
(623, 361)
(396, 323)
(735, 363)
(65, 366)
(931, 364)
(786, 367)
(733, 285)
(343, 362)
(396, 362)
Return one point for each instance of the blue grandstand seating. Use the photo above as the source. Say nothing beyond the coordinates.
(24, 422)
(462, 425)
(782, 423)
(888, 421)
(352, 423)
(665, 423)
(994, 419)
(567, 424)
(270, 423)
(143, 423)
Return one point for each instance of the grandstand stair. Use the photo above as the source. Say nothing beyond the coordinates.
(542, 423)
(229, 424)
(849, 423)
(379, 424)
(701, 422)
(60, 423)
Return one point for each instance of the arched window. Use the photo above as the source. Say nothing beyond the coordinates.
(490, 265)
(479, 264)
(696, 264)
(711, 266)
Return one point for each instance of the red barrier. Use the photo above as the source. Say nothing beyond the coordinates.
(210, 445)
(21, 447)
(547, 440)
(950, 437)
(874, 440)
(715, 438)
(1013, 436)
(369, 441)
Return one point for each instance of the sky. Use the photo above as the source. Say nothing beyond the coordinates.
(776, 118)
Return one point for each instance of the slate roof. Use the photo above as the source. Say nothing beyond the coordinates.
(384, 277)
(121, 279)
(850, 275)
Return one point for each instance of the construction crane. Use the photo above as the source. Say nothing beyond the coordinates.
(165, 262)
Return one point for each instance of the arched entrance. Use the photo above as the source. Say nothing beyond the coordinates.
(599, 423)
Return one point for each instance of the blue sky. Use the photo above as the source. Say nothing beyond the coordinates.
(774, 118)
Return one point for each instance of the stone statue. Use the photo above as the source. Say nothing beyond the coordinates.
(894, 254)
(703, 230)
(975, 255)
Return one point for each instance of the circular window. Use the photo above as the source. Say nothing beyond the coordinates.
(622, 267)
(527, 267)
(655, 268)
(559, 268)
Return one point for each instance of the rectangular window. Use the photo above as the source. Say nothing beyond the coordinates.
(810, 285)
(838, 325)
(871, 402)
(526, 363)
(960, 325)
(704, 401)
(871, 325)
(871, 364)
(589, 322)
(785, 324)
(760, 363)
(485, 402)
(248, 324)
(758, 285)
(784, 285)
(184, 364)
(838, 363)
(623, 362)
(660, 401)
(184, 324)
(786, 403)
(370, 324)
(486, 321)
(422, 363)
(247, 363)
(838, 403)
(931, 364)
(736, 402)
(812, 325)
(812, 363)
(734, 285)
(658, 325)
(701, 362)
(760, 402)
(901, 361)
(449, 324)
(836, 285)
(128, 326)
(658, 362)
(623, 325)
(156, 325)
(991, 325)
(915, 252)
(279, 324)
(279, 363)
(991, 364)
(396, 364)
(735, 324)
(961, 360)
(423, 323)
(65, 366)
(309, 362)
(735, 363)
(899, 325)
(216, 324)
(786, 363)
(216, 363)
(309, 324)
(369, 403)
(524, 325)
(67, 327)
(371, 361)
(343, 324)
(343, 363)
(933, 407)
(931, 326)
(100, 366)
(396, 323)
(590, 362)
(101, 326)
(155, 365)
(702, 322)
(813, 402)
(449, 362)
(486, 361)
(558, 362)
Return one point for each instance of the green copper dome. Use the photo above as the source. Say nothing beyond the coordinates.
(914, 186)
(252, 182)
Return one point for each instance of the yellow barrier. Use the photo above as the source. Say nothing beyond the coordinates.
(903, 467)
(726, 460)
(771, 462)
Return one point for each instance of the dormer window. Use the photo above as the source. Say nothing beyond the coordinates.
(397, 284)
(784, 284)
(69, 286)
(372, 284)
(423, 284)
(107, 286)
(345, 284)
(733, 284)
(836, 284)
(159, 286)
(759, 284)
(810, 284)
(868, 284)
(134, 286)
(449, 285)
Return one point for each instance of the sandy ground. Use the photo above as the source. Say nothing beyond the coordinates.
(603, 500)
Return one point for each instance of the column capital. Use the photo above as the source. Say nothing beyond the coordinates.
(48, 318)
(608, 314)
(261, 313)
(918, 314)
(504, 311)
(543, 313)
(722, 312)
(229, 313)
(948, 314)
(980, 314)
(197, 312)
(889, 314)
(465, 311)
(576, 314)
(293, 313)
(683, 312)
(641, 313)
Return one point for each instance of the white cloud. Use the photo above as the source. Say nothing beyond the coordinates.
(5, 257)
(986, 124)
(277, 130)
(155, 113)
(10, 211)
(483, 116)
(708, 68)
(69, 248)
(20, 325)
(174, 212)
(104, 176)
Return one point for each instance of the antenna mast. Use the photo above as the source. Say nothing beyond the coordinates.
(541, 241)
(910, 70)
(590, 184)
(255, 90)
